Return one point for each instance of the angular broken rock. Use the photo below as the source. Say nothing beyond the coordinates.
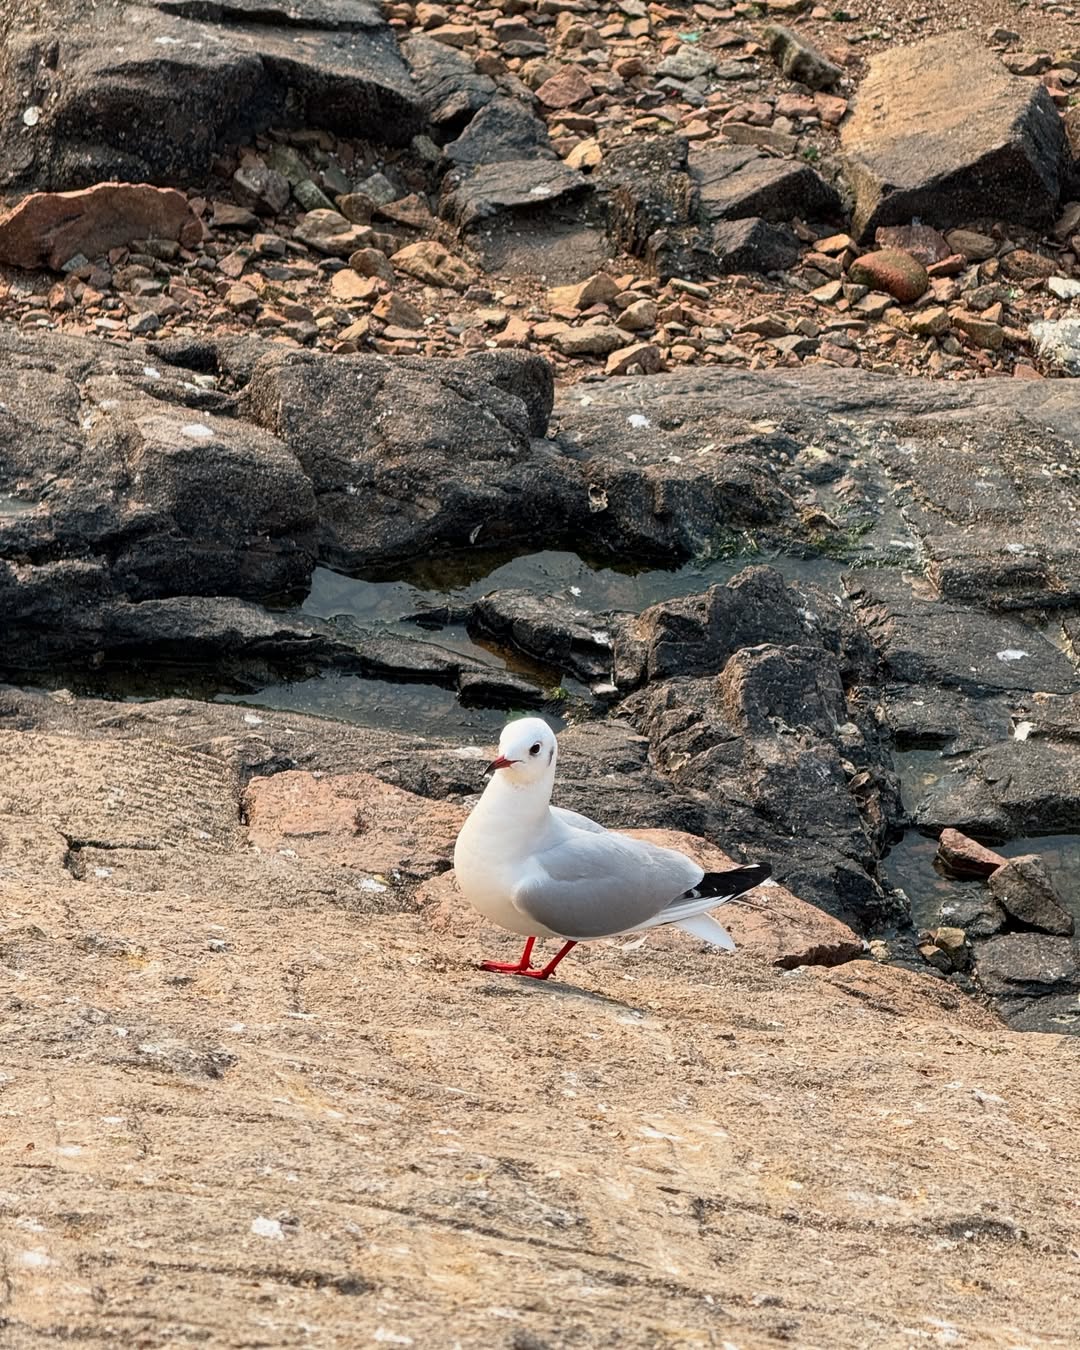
(598, 289)
(1025, 891)
(799, 59)
(329, 232)
(593, 339)
(735, 182)
(477, 193)
(47, 229)
(753, 246)
(432, 262)
(148, 92)
(964, 857)
(943, 133)
(643, 358)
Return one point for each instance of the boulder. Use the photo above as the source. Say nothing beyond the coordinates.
(964, 857)
(48, 229)
(799, 59)
(147, 94)
(504, 129)
(753, 246)
(943, 132)
(508, 187)
(896, 273)
(735, 182)
(1023, 888)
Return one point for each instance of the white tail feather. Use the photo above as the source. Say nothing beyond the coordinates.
(705, 927)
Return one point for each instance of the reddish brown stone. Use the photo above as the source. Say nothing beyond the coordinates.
(897, 274)
(47, 229)
(964, 857)
(565, 89)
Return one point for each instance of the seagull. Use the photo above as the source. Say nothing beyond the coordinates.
(543, 871)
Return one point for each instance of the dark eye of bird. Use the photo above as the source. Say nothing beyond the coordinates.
(534, 749)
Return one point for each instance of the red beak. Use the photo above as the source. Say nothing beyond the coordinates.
(501, 763)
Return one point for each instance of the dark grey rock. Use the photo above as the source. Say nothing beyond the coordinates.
(148, 93)
(1008, 791)
(942, 132)
(753, 245)
(973, 909)
(450, 90)
(799, 59)
(736, 182)
(649, 192)
(1028, 964)
(1023, 888)
(548, 630)
(925, 641)
(505, 129)
(508, 187)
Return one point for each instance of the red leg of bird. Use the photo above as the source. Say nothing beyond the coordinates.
(513, 967)
(549, 969)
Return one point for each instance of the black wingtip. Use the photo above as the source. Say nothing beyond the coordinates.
(735, 881)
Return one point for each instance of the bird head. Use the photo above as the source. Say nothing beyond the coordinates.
(527, 751)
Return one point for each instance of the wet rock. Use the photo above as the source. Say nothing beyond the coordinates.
(964, 857)
(738, 182)
(1008, 791)
(943, 132)
(1023, 888)
(926, 641)
(548, 630)
(799, 59)
(898, 274)
(753, 246)
(513, 187)
(433, 263)
(502, 130)
(1028, 965)
(449, 87)
(975, 911)
(148, 94)
(47, 229)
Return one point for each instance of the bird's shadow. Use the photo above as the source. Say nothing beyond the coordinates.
(519, 985)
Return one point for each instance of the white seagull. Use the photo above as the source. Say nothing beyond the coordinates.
(542, 871)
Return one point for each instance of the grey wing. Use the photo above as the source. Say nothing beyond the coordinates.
(598, 884)
(578, 822)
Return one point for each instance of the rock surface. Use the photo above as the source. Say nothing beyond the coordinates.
(169, 989)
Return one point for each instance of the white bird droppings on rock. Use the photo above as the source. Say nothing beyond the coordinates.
(267, 1228)
(197, 431)
(1012, 654)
